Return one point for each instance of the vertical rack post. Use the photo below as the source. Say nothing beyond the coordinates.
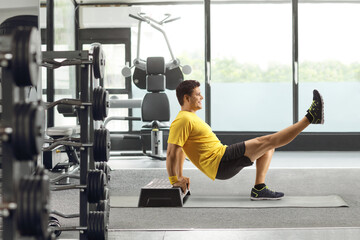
(84, 119)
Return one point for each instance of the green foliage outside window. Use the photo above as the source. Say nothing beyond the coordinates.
(230, 70)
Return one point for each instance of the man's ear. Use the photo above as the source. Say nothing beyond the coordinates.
(186, 98)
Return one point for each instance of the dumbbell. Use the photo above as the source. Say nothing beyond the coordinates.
(97, 226)
(21, 52)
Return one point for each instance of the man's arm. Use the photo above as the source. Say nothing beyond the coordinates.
(174, 165)
(173, 160)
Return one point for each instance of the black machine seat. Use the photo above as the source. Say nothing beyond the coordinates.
(155, 106)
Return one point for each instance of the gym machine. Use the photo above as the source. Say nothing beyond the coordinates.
(94, 145)
(155, 75)
(25, 194)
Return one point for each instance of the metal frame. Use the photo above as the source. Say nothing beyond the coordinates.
(86, 125)
(50, 88)
(111, 36)
(295, 60)
(207, 14)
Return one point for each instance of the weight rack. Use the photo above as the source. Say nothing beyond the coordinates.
(85, 115)
(20, 57)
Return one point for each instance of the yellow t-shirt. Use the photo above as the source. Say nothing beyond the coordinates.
(198, 142)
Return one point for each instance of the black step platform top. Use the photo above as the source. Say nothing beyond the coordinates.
(160, 193)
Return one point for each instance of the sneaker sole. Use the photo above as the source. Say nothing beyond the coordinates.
(322, 109)
(260, 199)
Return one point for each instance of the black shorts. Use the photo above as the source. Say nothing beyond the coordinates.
(233, 161)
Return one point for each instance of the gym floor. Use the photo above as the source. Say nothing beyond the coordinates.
(295, 173)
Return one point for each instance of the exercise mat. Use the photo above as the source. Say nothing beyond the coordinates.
(331, 201)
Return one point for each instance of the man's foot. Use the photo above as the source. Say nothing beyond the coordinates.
(316, 111)
(265, 194)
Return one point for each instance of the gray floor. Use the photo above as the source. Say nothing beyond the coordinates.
(295, 173)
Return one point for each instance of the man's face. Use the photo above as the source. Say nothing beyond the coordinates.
(195, 99)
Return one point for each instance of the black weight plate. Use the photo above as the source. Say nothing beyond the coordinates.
(96, 145)
(27, 56)
(100, 104)
(20, 142)
(10, 24)
(17, 129)
(26, 122)
(37, 129)
(96, 180)
(107, 194)
(17, 51)
(37, 207)
(139, 78)
(102, 184)
(35, 56)
(28, 227)
(103, 206)
(97, 226)
(108, 145)
(98, 61)
(90, 225)
(104, 167)
(173, 78)
(96, 99)
(90, 183)
(42, 203)
(92, 187)
(21, 201)
(102, 145)
(105, 105)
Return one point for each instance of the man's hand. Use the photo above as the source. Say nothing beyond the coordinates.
(183, 183)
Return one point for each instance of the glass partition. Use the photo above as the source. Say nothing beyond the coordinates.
(329, 61)
(251, 73)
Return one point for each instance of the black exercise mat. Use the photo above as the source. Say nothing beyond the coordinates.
(331, 201)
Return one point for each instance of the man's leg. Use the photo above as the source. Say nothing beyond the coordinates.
(262, 166)
(257, 147)
(262, 148)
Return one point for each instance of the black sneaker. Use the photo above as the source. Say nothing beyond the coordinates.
(265, 194)
(316, 110)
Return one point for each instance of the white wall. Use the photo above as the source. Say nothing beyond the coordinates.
(108, 17)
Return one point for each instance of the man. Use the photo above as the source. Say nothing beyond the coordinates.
(190, 135)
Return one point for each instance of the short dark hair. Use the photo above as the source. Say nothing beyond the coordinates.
(186, 88)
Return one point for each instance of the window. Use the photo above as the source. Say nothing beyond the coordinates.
(329, 61)
(251, 72)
